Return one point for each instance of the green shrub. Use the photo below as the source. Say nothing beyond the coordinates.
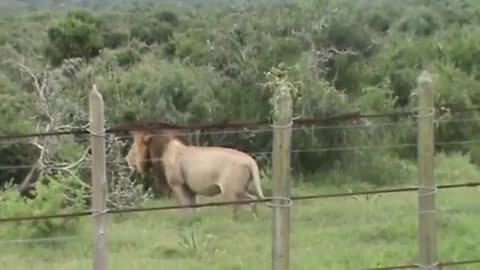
(160, 90)
(151, 31)
(170, 49)
(192, 48)
(370, 169)
(378, 167)
(77, 35)
(461, 48)
(381, 16)
(13, 121)
(55, 194)
(167, 16)
(455, 167)
(420, 21)
(3, 36)
(282, 50)
(210, 67)
(114, 39)
(127, 57)
(344, 33)
(455, 89)
(400, 62)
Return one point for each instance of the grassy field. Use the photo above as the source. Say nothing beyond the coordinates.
(338, 233)
(326, 234)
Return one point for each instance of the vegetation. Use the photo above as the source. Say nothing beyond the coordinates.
(337, 233)
(207, 61)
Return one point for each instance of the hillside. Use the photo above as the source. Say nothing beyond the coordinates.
(207, 62)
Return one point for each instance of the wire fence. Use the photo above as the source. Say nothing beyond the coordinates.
(227, 203)
(397, 214)
(417, 266)
(233, 127)
(254, 127)
(10, 139)
(401, 215)
(306, 150)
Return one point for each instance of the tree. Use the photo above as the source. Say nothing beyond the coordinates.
(77, 35)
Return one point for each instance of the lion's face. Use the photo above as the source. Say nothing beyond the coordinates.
(138, 157)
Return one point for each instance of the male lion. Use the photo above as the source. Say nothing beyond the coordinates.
(159, 175)
(196, 170)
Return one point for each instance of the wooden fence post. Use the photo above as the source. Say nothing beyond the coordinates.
(282, 124)
(427, 231)
(99, 180)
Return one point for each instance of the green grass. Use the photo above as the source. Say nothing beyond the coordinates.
(336, 233)
(340, 233)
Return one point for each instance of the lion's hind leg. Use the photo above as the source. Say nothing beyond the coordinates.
(246, 196)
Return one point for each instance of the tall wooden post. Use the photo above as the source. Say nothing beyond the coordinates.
(282, 124)
(99, 180)
(427, 232)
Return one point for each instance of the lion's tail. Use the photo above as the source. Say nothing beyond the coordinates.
(256, 178)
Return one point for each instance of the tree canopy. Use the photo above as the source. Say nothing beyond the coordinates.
(206, 61)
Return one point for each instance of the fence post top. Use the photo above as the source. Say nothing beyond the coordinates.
(424, 79)
(95, 95)
(94, 91)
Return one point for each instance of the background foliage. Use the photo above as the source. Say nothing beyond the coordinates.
(206, 61)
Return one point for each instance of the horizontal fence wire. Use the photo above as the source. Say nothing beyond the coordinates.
(413, 266)
(401, 213)
(226, 203)
(225, 125)
(406, 213)
(7, 140)
(311, 128)
(304, 150)
(37, 240)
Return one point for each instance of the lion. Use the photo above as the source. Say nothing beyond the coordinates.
(160, 183)
(159, 173)
(196, 170)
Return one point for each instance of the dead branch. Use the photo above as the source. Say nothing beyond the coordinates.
(46, 84)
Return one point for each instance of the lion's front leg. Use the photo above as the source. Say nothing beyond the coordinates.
(183, 194)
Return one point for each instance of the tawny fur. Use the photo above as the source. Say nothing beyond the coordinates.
(197, 170)
(158, 169)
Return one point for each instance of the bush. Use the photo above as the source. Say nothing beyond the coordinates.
(167, 16)
(210, 67)
(455, 89)
(3, 36)
(55, 194)
(400, 63)
(114, 39)
(192, 48)
(461, 48)
(421, 21)
(381, 16)
(378, 167)
(13, 121)
(127, 57)
(455, 167)
(77, 35)
(160, 90)
(151, 31)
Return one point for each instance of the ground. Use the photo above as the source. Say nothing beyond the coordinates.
(338, 233)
